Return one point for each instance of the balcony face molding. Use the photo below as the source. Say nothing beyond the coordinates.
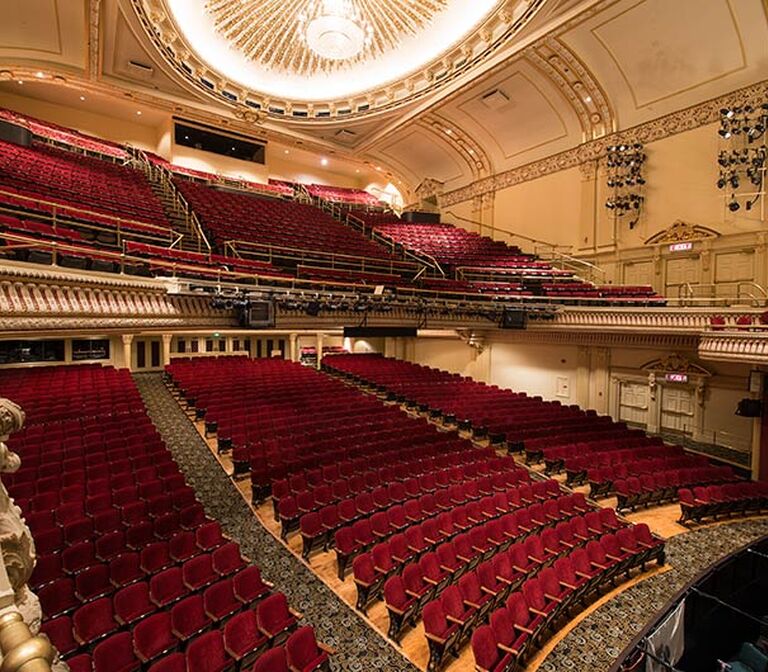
(746, 347)
(35, 306)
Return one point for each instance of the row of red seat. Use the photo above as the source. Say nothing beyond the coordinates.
(120, 537)
(661, 487)
(362, 523)
(345, 195)
(239, 216)
(523, 614)
(260, 406)
(501, 414)
(334, 505)
(64, 135)
(729, 499)
(475, 536)
(79, 182)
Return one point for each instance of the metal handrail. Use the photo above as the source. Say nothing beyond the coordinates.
(165, 178)
(281, 251)
(562, 257)
(690, 291)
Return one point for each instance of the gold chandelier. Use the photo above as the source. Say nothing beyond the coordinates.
(310, 36)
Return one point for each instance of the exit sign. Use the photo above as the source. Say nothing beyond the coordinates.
(680, 247)
(676, 377)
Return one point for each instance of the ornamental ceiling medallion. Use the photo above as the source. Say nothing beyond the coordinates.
(318, 35)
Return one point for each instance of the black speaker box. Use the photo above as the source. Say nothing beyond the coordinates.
(18, 135)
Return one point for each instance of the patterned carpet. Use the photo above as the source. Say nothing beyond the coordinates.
(590, 647)
(359, 647)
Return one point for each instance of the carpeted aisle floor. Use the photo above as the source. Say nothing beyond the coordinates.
(359, 647)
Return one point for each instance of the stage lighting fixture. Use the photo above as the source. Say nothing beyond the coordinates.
(733, 206)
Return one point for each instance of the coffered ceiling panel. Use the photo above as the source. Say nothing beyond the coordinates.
(43, 31)
(657, 56)
(419, 154)
(514, 114)
(126, 59)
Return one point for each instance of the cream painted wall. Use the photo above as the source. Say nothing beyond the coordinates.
(450, 355)
(682, 173)
(567, 209)
(535, 369)
(546, 209)
(222, 165)
(455, 213)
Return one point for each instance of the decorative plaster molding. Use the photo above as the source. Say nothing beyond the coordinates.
(94, 38)
(30, 305)
(651, 131)
(577, 83)
(675, 363)
(599, 339)
(461, 142)
(750, 348)
(682, 231)
(474, 50)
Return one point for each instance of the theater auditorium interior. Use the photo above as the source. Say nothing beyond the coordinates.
(383, 335)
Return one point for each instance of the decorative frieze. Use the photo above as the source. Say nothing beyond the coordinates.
(657, 129)
(28, 305)
(747, 347)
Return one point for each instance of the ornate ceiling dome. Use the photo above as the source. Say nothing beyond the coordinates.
(319, 35)
(317, 59)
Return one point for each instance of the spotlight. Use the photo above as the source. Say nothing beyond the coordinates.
(734, 181)
(721, 183)
(733, 206)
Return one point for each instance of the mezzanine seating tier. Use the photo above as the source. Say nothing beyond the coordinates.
(79, 182)
(345, 195)
(271, 188)
(65, 136)
(130, 572)
(266, 224)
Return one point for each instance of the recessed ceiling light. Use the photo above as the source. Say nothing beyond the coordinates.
(138, 112)
(21, 81)
(39, 74)
(285, 151)
(82, 97)
(449, 131)
(587, 99)
(323, 162)
(357, 170)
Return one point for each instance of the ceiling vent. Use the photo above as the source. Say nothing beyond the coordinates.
(345, 135)
(495, 100)
(140, 70)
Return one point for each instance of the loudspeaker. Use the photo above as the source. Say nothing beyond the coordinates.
(258, 315)
(421, 217)
(18, 135)
(514, 319)
(750, 408)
